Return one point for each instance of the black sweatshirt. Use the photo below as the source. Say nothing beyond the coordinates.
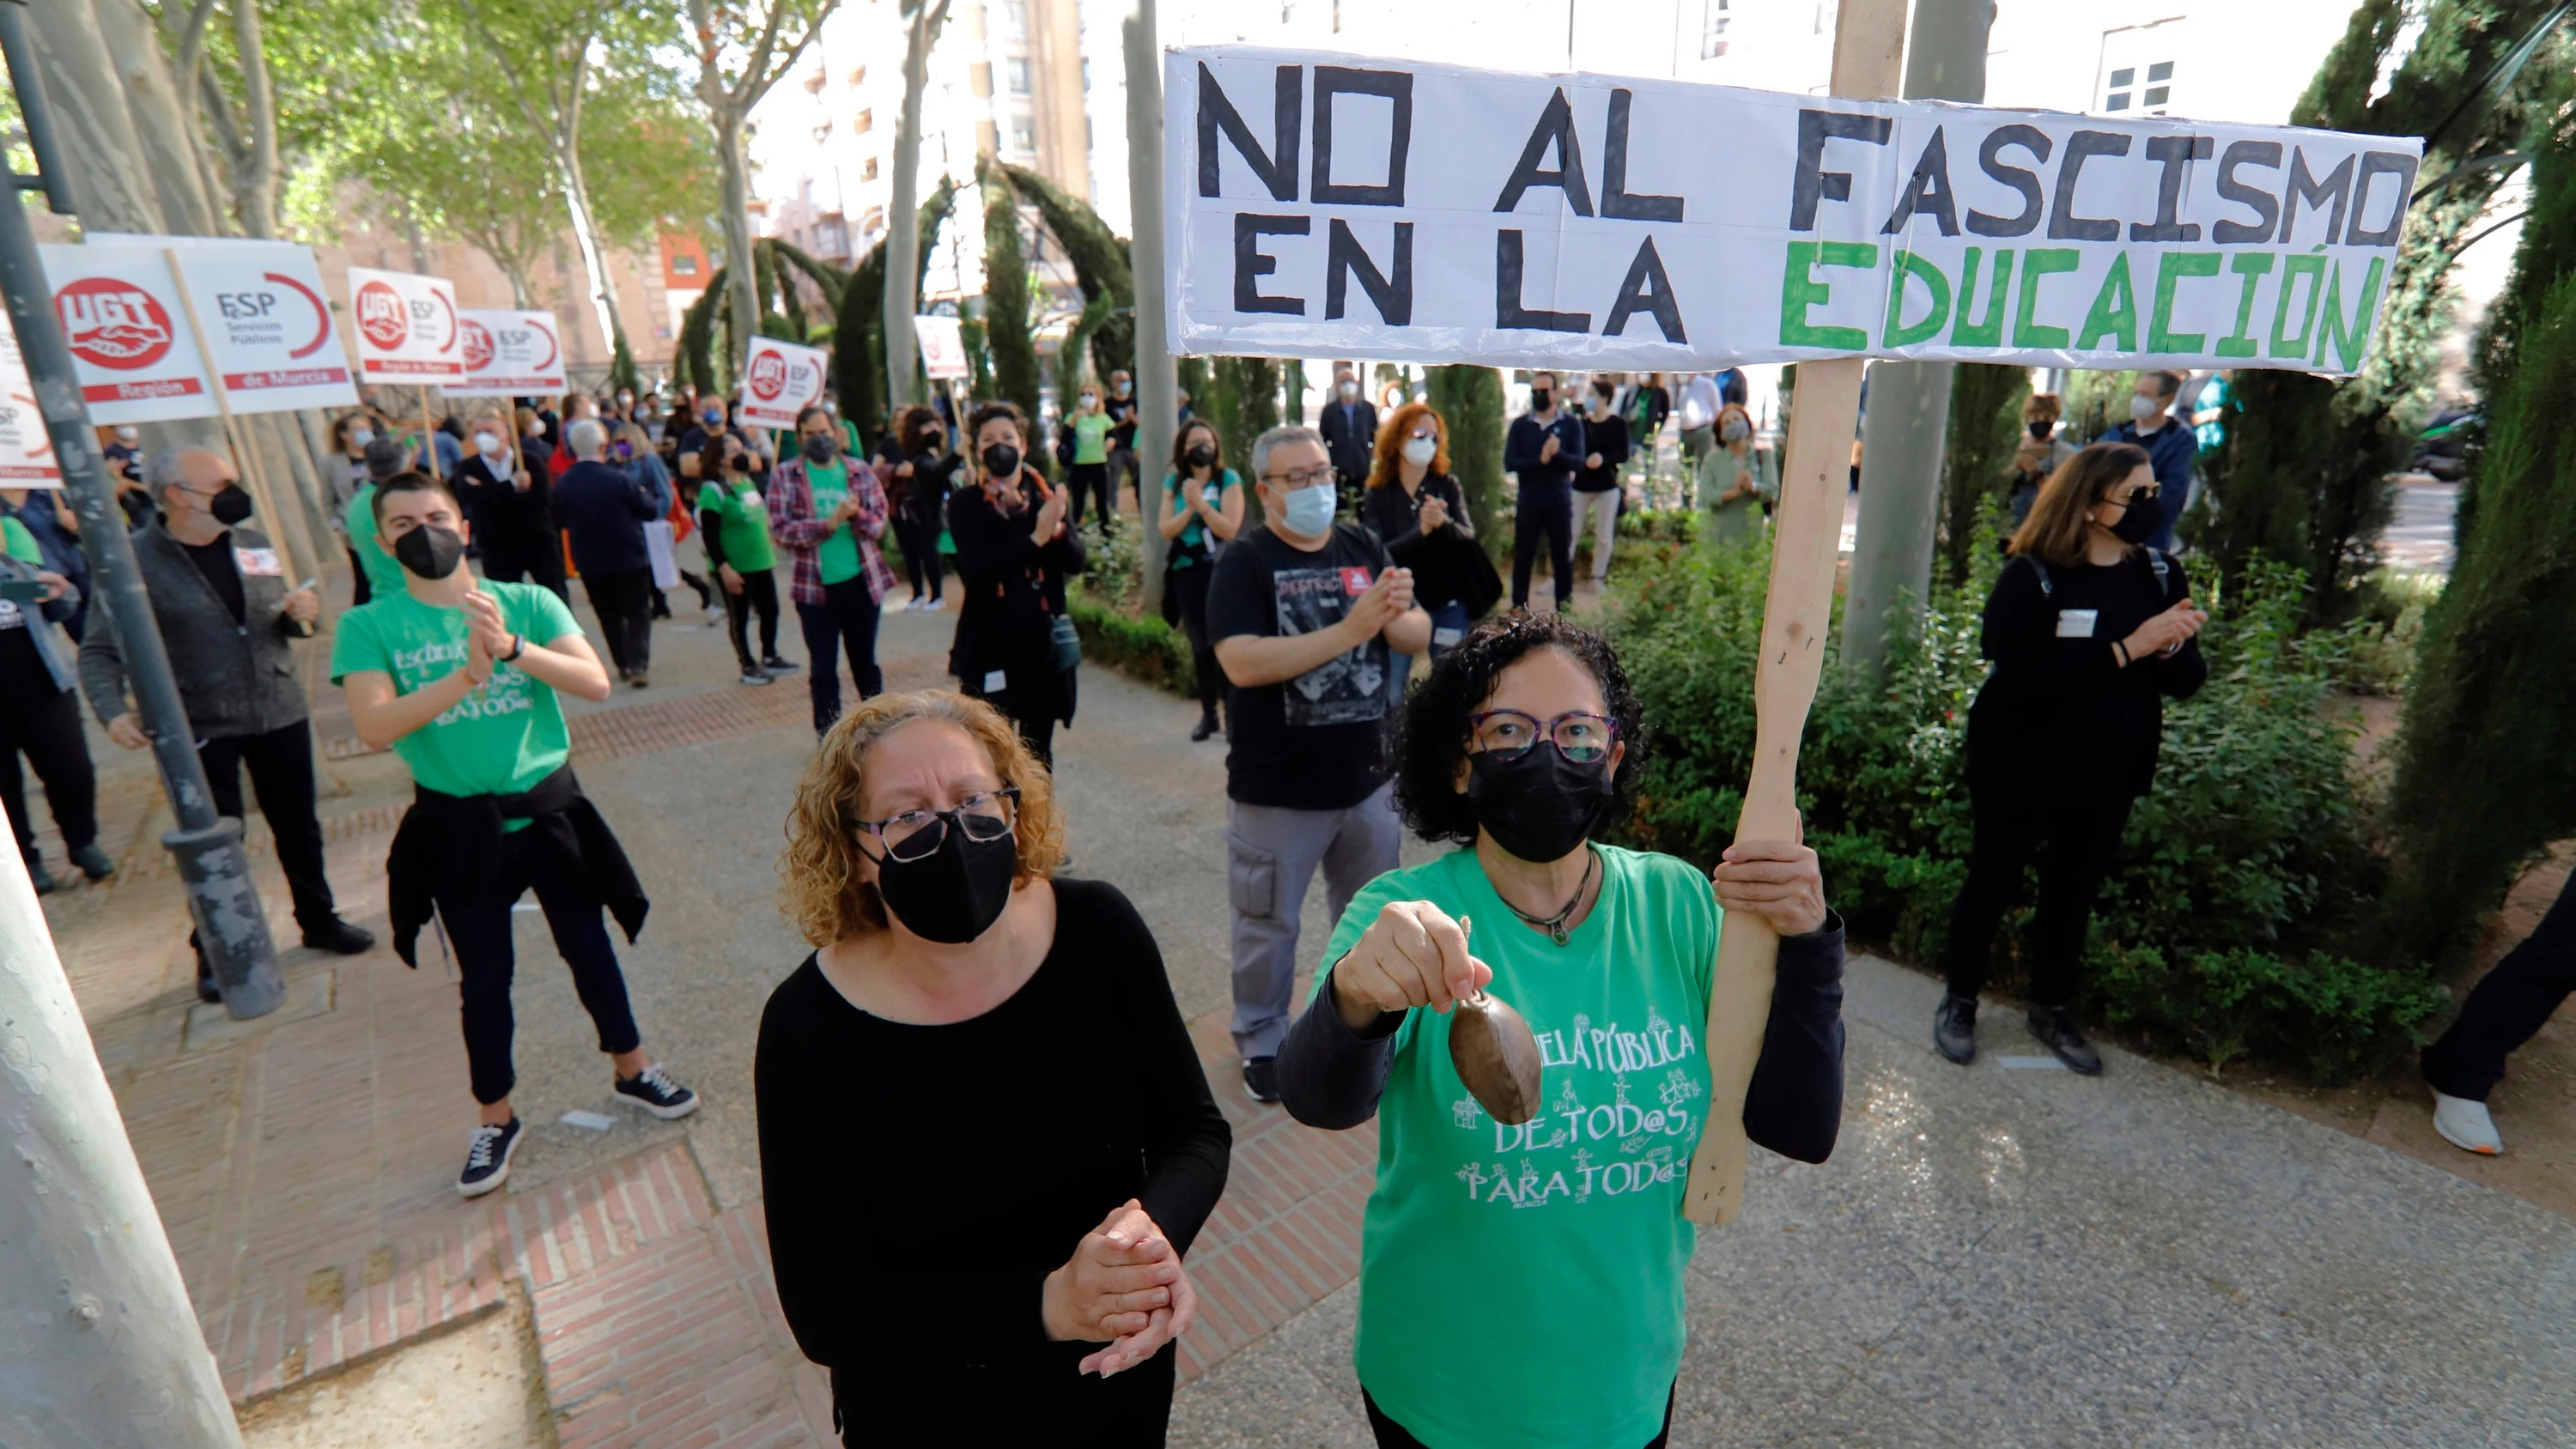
(1331, 1076)
(2059, 717)
(921, 1181)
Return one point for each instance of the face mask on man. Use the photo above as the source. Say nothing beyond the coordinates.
(955, 893)
(1349, 390)
(128, 433)
(430, 551)
(2143, 407)
(1121, 388)
(1420, 451)
(1541, 399)
(713, 418)
(490, 444)
(2040, 428)
(1309, 511)
(1539, 806)
(819, 448)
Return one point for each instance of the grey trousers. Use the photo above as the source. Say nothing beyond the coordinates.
(1271, 856)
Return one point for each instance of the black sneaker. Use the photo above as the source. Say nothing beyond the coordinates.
(93, 862)
(339, 938)
(655, 1092)
(639, 679)
(1954, 1028)
(487, 1159)
(1261, 1078)
(2055, 1028)
(1207, 727)
(776, 665)
(41, 878)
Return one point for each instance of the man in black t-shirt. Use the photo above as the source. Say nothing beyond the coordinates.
(1303, 611)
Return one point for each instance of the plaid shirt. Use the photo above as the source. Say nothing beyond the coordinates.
(793, 524)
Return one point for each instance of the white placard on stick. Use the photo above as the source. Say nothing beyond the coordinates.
(1324, 205)
(406, 327)
(26, 449)
(780, 380)
(128, 332)
(510, 354)
(267, 323)
(943, 347)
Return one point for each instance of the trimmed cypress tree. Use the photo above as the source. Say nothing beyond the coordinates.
(1985, 428)
(1102, 266)
(1469, 400)
(858, 333)
(1007, 329)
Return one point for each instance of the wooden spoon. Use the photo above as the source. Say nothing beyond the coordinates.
(1495, 1053)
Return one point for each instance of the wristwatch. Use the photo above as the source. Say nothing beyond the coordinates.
(518, 646)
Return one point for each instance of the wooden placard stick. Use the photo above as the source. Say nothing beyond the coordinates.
(234, 437)
(1797, 614)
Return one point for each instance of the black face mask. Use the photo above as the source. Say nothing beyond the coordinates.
(2041, 430)
(1001, 460)
(1200, 456)
(2139, 523)
(820, 449)
(430, 551)
(955, 893)
(1541, 399)
(1540, 807)
(230, 506)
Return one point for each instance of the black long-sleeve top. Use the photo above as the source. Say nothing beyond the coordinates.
(1014, 586)
(1606, 435)
(2060, 718)
(1554, 477)
(1439, 572)
(1331, 1076)
(506, 520)
(920, 1182)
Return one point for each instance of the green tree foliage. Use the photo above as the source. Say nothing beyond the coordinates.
(1469, 401)
(1069, 370)
(1985, 428)
(1102, 266)
(1008, 328)
(858, 352)
(2484, 776)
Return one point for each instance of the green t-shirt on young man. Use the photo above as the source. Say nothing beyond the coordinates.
(384, 576)
(20, 544)
(836, 558)
(1522, 1287)
(500, 739)
(1091, 437)
(742, 519)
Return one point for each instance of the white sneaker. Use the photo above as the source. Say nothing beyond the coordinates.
(2465, 1125)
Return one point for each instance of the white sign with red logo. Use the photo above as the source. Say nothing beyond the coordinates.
(408, 328)
(943, 347)
(128, 332)
(510, 354)
(779, 381)
(26, 450)
(267, 325)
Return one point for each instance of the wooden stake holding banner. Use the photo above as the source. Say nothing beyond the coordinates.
(1797, 614)
(243, 456)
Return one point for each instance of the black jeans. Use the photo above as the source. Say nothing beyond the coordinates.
(45, 726)
(2074, 841)
(846, 620)
(281, 773)
(1189, 587)
(486, 959)
(2513, 1002)
(1392, 1435)
(1553, 517)
(623, 600)
(919, 540)
(759, 596)
(1092, 478)
(1031, 697)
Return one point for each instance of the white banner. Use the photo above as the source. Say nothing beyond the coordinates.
(128, 332)
(943, 347)
(510, 354)
(267, 325)
(26, 449)
(779, 380)
(1329, 206)
(406, 325)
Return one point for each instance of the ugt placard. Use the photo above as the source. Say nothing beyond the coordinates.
(128, 332)
(780, 380)
(407, 327)
(510, 354)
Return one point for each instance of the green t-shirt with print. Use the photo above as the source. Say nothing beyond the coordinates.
(1091, 437)
(836, 558)
(1522, 1287)
(498, 740)
(742, 520)
(384, 576)
(19, 544)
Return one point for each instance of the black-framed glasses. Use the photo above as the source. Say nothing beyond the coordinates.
(1508, 734)
(984, 815)
(1303, 477)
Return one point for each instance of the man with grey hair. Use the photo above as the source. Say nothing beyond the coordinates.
(602, 512)
(224, 608)
(1303, 611)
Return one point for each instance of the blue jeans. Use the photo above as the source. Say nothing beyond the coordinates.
(1444, 617)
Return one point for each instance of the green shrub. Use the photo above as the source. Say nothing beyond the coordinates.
(2248, 862)
(1140, 645)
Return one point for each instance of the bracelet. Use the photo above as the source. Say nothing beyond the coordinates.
(518, 646)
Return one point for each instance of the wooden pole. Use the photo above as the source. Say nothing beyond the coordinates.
(243, 455)
(1797, 614)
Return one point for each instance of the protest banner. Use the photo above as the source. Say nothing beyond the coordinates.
(779, 380)
(510, 354)
(266, 325)
(26, 452)
(407, 327)
(1323, 205)
(943, 347)
(122, 317)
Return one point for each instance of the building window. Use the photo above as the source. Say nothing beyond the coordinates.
(1712, 30)
(1017, 69)
(832, 237)
(868, 169)
(684, 265)
(1024, 133)
(863, 122)
(2137, 69)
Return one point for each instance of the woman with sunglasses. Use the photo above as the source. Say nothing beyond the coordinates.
(1524, 1284)
(972, 1255)
(2089, 630)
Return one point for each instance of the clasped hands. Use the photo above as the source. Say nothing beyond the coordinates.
(1124, 1287)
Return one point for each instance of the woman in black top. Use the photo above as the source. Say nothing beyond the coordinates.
(1014, 553)
(975, 1258)
(2089, 631)
(1416, 510)
(923, 467)
(1596, 484)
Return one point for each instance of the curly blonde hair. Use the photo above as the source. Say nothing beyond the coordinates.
(819, 885)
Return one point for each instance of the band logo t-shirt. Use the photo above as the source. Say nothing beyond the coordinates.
(1315, 742)
(500, 739)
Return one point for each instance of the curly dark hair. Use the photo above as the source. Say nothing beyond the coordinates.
(1431, 737)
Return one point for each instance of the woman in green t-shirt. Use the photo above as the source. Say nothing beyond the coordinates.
(1521, 1286)
(1087, 467)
